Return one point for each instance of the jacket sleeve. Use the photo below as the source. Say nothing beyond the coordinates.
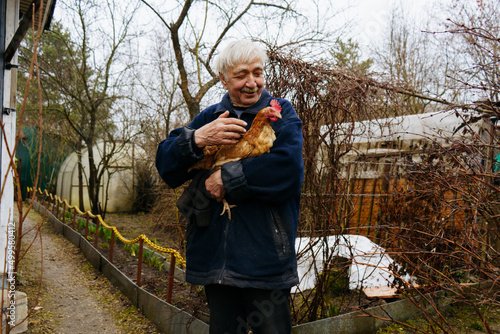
(275, 176)
(178, 152)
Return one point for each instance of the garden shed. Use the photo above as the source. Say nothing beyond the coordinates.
(380, 153)
(118, 186)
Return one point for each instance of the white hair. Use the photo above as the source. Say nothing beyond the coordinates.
(236, 52)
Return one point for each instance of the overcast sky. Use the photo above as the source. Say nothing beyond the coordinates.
(370, 18)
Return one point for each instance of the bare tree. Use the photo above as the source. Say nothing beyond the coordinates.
(475, 30)
(197, 28)
(157, 96)
(89, 77)
(408, 58)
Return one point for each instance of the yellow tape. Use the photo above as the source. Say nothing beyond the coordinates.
(176, 254)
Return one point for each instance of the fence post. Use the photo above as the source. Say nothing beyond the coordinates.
(96, 231)
(64, 213)
(171, 273)
(87, 227)
(74, 219)
(112, 246)
(139, 264)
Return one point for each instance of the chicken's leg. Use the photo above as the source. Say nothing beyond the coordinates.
(227, 207)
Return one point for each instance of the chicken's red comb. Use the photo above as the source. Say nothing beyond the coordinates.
(275, 105)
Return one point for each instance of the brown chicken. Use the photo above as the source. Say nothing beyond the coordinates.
(253, 143)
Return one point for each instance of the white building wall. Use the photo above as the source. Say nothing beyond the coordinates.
(6, 178)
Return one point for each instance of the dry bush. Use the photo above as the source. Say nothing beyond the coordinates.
(329, 102)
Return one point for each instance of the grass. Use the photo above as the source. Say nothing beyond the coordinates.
(128, 318)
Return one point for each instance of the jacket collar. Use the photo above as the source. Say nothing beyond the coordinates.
(225, 104)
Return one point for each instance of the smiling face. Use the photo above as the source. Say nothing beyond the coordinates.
(244, 83)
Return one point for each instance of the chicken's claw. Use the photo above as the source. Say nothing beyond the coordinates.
(227, 207)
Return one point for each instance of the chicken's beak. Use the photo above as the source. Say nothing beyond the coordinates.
(274, 117)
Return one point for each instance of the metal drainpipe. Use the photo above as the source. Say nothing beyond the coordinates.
(3, 6)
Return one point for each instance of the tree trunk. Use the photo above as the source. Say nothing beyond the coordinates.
(194, 109)
(93, 182)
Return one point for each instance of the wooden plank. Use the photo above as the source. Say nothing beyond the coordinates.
(26, 23)
(23, 27)
(381, 292)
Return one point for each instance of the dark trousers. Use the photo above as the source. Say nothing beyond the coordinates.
(233, 310)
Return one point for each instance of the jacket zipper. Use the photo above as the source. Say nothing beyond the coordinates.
(280, 238)
(280, 235)
(224, 253)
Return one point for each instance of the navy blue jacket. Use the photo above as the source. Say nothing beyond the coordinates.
(257, 247)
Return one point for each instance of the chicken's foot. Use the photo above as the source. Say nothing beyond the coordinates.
(227, 207)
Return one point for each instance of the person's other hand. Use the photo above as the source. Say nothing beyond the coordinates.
(215, 186)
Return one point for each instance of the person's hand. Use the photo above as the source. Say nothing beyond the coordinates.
(215, 186)
(223, 130)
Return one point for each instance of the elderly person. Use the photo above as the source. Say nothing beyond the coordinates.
(247, 264)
